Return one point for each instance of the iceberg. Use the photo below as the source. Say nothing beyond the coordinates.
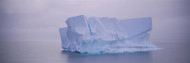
(106, 35)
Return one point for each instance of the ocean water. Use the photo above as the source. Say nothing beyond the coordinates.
(29, 30)
(175, 51)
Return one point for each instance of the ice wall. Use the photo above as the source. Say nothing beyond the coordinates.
(106, 35)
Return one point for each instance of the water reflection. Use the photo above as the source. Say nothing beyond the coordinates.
(137, 57)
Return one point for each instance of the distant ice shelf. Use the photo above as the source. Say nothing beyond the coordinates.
(106, 35)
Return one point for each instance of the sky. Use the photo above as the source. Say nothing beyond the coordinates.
(41, 19)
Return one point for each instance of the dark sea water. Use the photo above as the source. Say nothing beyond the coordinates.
(174, 51)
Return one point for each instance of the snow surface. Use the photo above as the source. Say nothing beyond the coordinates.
(106, 35)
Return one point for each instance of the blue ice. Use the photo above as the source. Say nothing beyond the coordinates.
(106, 35)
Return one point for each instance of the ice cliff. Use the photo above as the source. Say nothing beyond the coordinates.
(106, 35)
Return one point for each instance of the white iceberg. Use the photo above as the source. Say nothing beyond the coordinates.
(106, 35)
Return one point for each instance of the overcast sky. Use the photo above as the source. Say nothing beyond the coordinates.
(37, 19)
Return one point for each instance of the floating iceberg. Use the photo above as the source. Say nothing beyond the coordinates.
(106, 35)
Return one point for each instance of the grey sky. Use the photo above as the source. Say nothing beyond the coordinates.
(36, 19)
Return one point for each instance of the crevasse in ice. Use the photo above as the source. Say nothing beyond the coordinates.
(106, 35)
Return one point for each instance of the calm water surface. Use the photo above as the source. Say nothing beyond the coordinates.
(175, 51)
